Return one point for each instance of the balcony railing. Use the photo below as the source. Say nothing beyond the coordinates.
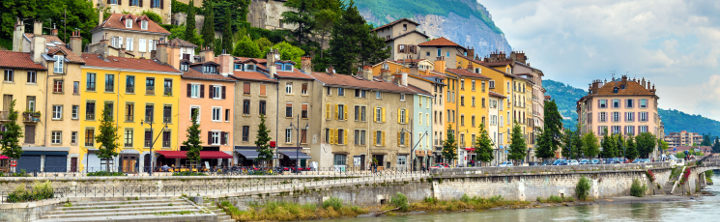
(4, 115)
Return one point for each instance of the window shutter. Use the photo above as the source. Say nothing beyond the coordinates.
(223, 92)
(345, 113)
(407, 138)
(141, 3)
(333, 133)
(336, 113)
(327, 111)
(407, 117)
(202, 91)
(372, 137)
(398, 138)
(162, 4)
(374, 116)
(382, 138)
(382, 109)
(398, 116)
(209, 138)
(119, 2)
(189, 90)
(211, 91)
(345, 137)
(223, 138)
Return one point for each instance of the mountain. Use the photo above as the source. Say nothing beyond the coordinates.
(566, 97)
(465, 22)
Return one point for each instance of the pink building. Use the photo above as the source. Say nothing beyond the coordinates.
(207, 89)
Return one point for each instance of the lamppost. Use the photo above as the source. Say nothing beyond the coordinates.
(297, 150)
(412, 151)
(152, 155)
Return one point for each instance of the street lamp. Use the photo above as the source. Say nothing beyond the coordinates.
(152, 155)
(412, 151)
(297, 150)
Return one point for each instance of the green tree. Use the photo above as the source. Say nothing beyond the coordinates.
(483, 146)
(325, 19)
(265, 153)
(153, 16)
(352, 43)
(590, 145)
(190, 22)
(707, 141)
(247, 48)
(10, 140)
(208, 29)
(620, 145)
(608, 146)
(302, 18)
(449, 151)
(227, 41)
(645, 144)
(289, 52)
(193, 142)
(544, 146)
(663, 145)
(631, 151)
(518, 148)
(553, 123)
(715, 146)
(107, 138)
(263, 44)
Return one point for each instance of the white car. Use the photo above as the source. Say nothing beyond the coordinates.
(505, 164)
(573, 163)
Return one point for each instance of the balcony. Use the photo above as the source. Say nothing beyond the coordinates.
(4, 115)
(31, 117)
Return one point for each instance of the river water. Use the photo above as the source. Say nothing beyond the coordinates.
(706, 208)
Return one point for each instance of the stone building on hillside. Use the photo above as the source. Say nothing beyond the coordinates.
(127, 35)
(137, 7)
(402, 37)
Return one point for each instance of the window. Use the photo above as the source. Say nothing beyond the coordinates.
(339, 159)
(56, 137)
(378, 95)
(462, 100)
(129, 112)
(217, 92)
(629, 103)
(643, 103)
(89, 137)
(378, 114)
(76, 87)
(462, 120)
(90, 110)
(128, 23)
(150, 86)
(194, 90)
(379, 140)
(246, 88)
(304, 112)
(108, 106)
(360, 137)
(402, 96)
(616, 103)
(602, 130)
(130, 84)
(245, 133)
(341, 112)
(73, 137)
(629, 116)
(216, 114)
(472, 101)
(401, 139)
(602, 103)
(288, 110)
(57, 112)
(214, 138)
(629, 130)
(359, 93)
(462, 84)
(58, 86)
(168, 87)
(304, 89)
(31, 77)
(129, 45)
(147, 142)
(402, 116)
(603, 116)
(167, 113)
(184, 67)
(360, 113)
(128, 137)
(262, 107)
(643, 129)
(113, 2)
(227, 115)
(491, 84)
(615, 129)
(303, 136)
(195, 109)
(341, 137)
(340, 91)
(483, 103)
(144, 25)
(75, 113)
(288, 88)
(472, 85)
(166, 141)
(439, 52)
(472, 121)
(90, 82)
(643, 116)
(288, 135)
(109, 82)
(262, 90)
(149, 108)
(246, 107)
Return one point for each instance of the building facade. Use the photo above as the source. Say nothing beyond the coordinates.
(127, 35)
(683, 138)
(137, 7)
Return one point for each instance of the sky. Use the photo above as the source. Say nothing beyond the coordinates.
(674, 44)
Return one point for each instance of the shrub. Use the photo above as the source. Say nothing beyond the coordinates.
(39, 191)
(465, 198)
(708, 176)
(582, 189)
(333, 202)
(188, 173)
(636, 189)
(105, 174)
(555, 199)
(430, 200)
(400, 201)
(650, 175)
(674, 173)
(685, 176)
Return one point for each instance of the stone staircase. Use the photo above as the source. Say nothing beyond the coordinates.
(221, 215)
(167, 209)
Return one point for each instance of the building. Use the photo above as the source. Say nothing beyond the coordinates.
(402, 37)
(374, 113)
(177, 51)
(144, 98)
(622, 106)
(495, 126)
(683, 138)
(443, 48)
(421, 137)
(472, 110)
(127, 35)
(137, 7)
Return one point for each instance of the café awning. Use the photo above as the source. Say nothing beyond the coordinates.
(203, 154)
(294, 154)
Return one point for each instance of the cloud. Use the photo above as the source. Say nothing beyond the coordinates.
(673, 43)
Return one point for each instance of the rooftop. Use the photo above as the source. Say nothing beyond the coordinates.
(126, 63)
(442, 41)
(117, 21)
(18, 60)
(395, 22)
(359, 82)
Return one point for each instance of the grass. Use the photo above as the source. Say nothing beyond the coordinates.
(39, 191)
(105, 174)
(284, 211)
(464, 203)
(555, 199)
(184, 212)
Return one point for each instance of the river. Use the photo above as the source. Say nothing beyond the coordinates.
(706, 208)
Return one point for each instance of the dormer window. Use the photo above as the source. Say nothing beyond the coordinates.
(209, 69)
(58, 67)
(288, 67)
(249, 67)
(238, 67)
(184, 67)
(128, 23)
(144, 24)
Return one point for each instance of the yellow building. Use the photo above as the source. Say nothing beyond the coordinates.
(472, 109)
(138, 91)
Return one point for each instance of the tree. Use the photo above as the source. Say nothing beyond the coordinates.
(10, 141)
(107, 138)
(247, 48)
(620, 145)
(227, 41)
(715, 146)
(631, 151)
(552, 123)
(590, 145)
(352, 42)
(208, 29)
(483, 146)
(645, 144)
(153, 16)
(301, 17)
(608, 146)
(518, 148)
(544, 146)
(262, 140)
(263, 44)
(289, 52)
(372, 48)
(190, 22)
(449, 151)
(193, 142)
(707, 141)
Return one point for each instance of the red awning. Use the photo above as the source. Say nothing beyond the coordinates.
(469, 149)
(4, 157)
(203, 154)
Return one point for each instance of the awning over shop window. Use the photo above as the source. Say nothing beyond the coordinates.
(294, 154)
(203, 154)
(4, 157)
(247, 152)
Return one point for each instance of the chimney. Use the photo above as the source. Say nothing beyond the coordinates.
(54, 31)
(330, 70)
(18, 35)
(367, 72)
(518, 57)
(76, 42)
(404, 79)
(161, 52)
(471, 53)
(272, 57)
(207, 54)
(37, 28)
(624, 79)
(440, 64)
(306, 64)
(101, 15)
(38, 48)
(226, 64)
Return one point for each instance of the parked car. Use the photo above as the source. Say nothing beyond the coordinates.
(596, 161)
(584, 161)
(505, 164)
(440, 165)
(573, 163)
(560, 162)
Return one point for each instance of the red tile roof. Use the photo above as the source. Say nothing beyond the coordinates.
(181, 43)
(359, 82)
(442, 41)
(466, 73)
(116, 21)
(630, 88)
(295, 74)
(48, 38)
(252, 76)
(395, 22)
(194, 74)
(126, 63)
(18, 60)
(72, 57)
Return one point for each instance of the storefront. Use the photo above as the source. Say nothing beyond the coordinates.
(246, 156)
(289, 157)
(210, 159)
(129, 161)
(43, 159)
